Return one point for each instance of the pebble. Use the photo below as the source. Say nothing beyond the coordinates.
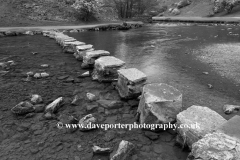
(62, 77)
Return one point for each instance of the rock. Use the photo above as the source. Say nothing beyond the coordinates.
(158, 148)
(77, 100)
(30, 74)
(231, 127)
(54, 106)
(151, 135)
(91, 56)
(206, 73)
(73, 31)
(176, 11)
(86, 74)
(183, 3)
(29, 115)
(86, 123)
(85, 66)
(37, 75)
(199, 121)
(36, 99)
(44, 75)
(105, 68)
(110, 104)
(29, 33)
(91, 97)
(216, 146)
(130, 82)
(228, 109)
(39, 108)
(69, 47)
(210, 86)
(78, 54)
(10, 33)
(159, 104)
(70, 79)
(48, 116)
(23, 108)
(99, 150)
(124, 151)
(91, 107)
(62, 77)
(45, 65)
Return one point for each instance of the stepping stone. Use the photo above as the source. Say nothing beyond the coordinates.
(130, 82)
(106, 67)
(69, 47)
(159, 104)
(80, 51)
(91, 56)
(198, 122)
(217, 146)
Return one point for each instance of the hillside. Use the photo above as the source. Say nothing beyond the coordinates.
(198, 8)
(41, 12)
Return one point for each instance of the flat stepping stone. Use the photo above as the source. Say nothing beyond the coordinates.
(83, 47)
(105, 68)
(91, 56)
(130, 82)
(206, 119)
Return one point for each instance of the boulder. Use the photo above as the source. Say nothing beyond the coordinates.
(176, 11)
(105, 69)
(124, 151)
(85, 124)
(130, 82)
(159, 104)
(91, 56)
(196, 122)
(216, 146)
(54, 106)
(36, 99)
(228, 109)
(23, 108)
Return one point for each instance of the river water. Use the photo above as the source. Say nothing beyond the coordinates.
(186, 56)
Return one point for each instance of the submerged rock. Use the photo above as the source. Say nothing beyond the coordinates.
(86, 123)
(110, 104)
(197, 121)
(124, 151)
(228, 109)
(99, 150)
(23, 108)
(36, 99)
(105, 68)
(130, 82)
(54, 106)
(159, 104)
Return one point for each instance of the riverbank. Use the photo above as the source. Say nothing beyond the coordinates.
(65, 27)
(198, 19)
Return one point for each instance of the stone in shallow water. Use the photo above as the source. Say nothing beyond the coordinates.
(130, 82)
(86, 123)
(23, 108)
(80, 51)
(228, 109)
(124, 151)
(199, 121)
(91, 56)
(159, 104)
(216, 146)
(105, 68)
(69, 47)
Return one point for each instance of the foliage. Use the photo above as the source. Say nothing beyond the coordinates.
(227, 5)
(86, 9)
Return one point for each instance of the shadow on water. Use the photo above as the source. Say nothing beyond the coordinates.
(167, 54)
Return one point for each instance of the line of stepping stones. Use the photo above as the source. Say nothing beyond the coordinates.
(204, 131)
